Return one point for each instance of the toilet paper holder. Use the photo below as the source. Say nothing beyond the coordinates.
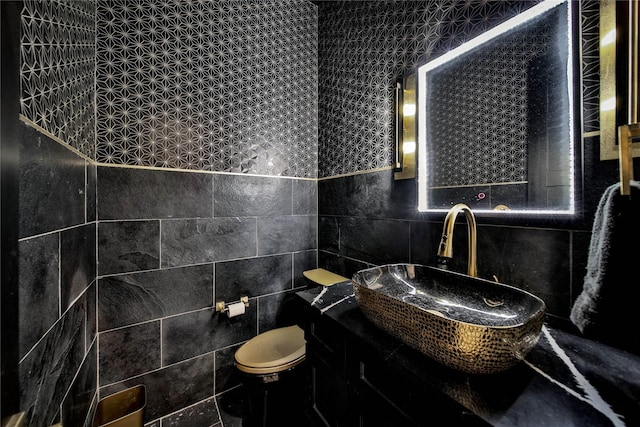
(222, 307)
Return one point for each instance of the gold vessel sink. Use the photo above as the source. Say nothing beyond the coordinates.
(466, 323)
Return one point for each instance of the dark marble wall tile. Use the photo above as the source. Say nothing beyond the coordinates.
(172, 388)
(47, 372)
(236, 195)
(226, 373)
(375, 241)
(535, 260)
(287, 234)
(196, 241)
(305, 197)
(139, 297)
(203, 331)
(203, 413)
(129, 351)
(269, 307)
(340, 265)
(91, 314)
(77, 262)
(253, 277)
(92, 187)
(38, 288)
(57, 192)
(513, 196)
(425, 239)
(375, 195)
(231, 407)
(580, 250)
(92, 407)
(329, 233)
(303, 261)
(278, 310)
(52, 185)
(127, 193)
(77, 404)
(128, 246)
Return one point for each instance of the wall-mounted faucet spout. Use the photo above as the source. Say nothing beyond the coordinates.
(445, 249)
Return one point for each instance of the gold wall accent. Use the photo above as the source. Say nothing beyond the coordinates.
(406, 131)
(609, 88)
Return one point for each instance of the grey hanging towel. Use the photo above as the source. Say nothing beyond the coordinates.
(607, 308)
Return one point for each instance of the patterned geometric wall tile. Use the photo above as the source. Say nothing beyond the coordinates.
(590, 12)
(209, 85)
(363, 48)
(58, 69)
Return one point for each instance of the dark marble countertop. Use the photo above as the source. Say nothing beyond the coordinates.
(566, 380)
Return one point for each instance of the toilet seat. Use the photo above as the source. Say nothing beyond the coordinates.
(272, 351)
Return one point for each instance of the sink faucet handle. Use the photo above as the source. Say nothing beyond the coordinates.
(445, 249)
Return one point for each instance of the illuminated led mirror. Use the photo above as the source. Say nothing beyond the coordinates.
(496, 125)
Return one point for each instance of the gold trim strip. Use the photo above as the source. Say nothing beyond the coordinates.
(386, 168)
(591, 134)
(608, 146)
(406, 131)
(625, 134)
(48, 134)
(157, 168)
(15, 420)
(631, 130)
(42, 130)
(633, 107)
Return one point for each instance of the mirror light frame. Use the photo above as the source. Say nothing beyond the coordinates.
(485, 37)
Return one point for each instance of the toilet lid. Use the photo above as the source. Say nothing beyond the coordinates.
(272, 351)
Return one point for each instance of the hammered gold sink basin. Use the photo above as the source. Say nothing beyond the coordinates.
(467, 323)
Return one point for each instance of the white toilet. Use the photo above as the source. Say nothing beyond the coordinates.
(267, 363)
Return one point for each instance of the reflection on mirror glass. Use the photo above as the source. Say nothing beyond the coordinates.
(495, 118)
